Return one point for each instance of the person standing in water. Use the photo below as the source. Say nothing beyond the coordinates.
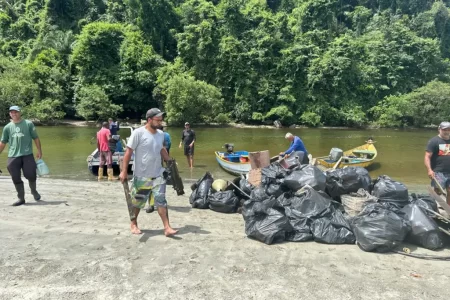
(19, 134)
(188, 139)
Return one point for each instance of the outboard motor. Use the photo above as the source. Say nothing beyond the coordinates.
(229, 147)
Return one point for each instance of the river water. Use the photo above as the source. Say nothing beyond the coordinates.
(400, 152)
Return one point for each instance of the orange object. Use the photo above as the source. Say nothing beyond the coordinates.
(243, 159)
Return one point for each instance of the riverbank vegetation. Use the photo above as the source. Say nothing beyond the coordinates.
(310, 62)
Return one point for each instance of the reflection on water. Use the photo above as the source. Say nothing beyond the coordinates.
(400, 152)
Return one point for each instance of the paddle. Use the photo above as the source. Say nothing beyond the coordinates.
(126, 189)
(337, 164)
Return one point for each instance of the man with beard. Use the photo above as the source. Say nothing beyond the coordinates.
(437, 159)
(148, 182)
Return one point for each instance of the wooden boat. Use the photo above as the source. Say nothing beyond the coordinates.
(93, 160)
(362, 156)
(236, 163)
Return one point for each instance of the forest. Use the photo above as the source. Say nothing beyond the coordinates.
(305, 62)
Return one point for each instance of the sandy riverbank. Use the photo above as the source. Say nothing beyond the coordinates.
(76, 245)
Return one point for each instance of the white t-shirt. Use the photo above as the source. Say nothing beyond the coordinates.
(147, 152)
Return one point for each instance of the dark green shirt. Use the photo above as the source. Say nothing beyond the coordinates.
(19, 136)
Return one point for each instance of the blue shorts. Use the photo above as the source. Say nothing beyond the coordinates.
(153, 189)
(442, 178)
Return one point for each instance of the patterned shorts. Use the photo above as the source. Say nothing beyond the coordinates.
(442, 178)
(152, 189)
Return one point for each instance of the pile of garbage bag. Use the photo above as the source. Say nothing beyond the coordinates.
(299, 203)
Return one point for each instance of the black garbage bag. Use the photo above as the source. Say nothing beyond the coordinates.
(303, 209)
(274, 189)
(301, 229)
(379, 229)
(269, 227)
(333, 229)
(246, 187)
(424, 230)
(391, 191)
(251, 207)
(424, 201)
(225, 202)
(306, 175)
(272, 172)
(258, 194)
(201, 192)
(346, 181)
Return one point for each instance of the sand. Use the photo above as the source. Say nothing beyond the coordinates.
(76, 244)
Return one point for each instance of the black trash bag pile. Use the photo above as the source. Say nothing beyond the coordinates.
(305, 175)
(424, 230)
(201, 191)
(391, 192)
(246, 187)
(313, 216)
(345, 181)
(224, 202)
(272, 172)
(378, 228)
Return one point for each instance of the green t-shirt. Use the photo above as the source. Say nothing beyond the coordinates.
(19, 136)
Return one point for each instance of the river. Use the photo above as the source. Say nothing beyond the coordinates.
(400, 152)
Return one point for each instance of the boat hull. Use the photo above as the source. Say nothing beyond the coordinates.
(349, 161)
(235, 168)
(94, 163)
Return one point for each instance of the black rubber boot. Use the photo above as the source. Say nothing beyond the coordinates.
(35, 193)
(20, 194)
(150, 209)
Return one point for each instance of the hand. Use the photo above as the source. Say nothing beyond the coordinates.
(281, 153)
(39, 155)
(190, 145)
(123, 176)
(179, 146)
(431, 174)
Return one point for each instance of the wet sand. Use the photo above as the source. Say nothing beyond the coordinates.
(76, 244)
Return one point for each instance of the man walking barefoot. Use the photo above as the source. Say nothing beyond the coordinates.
(147, 143)
(19, 134)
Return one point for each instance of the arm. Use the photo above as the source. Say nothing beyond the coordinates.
(193, 140)
(2, 147)
(164, 154)
(37, 141)
(291, 148)
(427, 162)
(182, 139)
(126, 160)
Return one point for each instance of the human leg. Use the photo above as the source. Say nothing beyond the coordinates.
(101, 165)
(14, 167)
(109, 166)
(29, 171)
(140, 192)
(159, 196)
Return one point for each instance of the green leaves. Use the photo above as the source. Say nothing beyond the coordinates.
(92, 103)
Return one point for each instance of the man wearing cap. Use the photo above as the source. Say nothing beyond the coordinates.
(19, 134)
(148, 182)
(437, 159)
(188, 139)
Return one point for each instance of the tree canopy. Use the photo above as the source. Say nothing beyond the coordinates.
(311, 62)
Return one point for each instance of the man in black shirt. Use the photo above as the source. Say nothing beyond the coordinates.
(188, 139)
(437, 159)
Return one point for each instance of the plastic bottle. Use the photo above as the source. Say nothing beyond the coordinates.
(42, 168)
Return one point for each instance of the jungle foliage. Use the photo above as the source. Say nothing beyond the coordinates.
(311, 62)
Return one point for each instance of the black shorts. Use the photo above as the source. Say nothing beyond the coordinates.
(188, 151)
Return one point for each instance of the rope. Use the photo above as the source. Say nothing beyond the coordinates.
(423, 256)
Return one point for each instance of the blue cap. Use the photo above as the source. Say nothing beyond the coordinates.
(14, 107)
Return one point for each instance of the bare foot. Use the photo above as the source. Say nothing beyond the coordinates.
(135, 229)
(170, 231)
